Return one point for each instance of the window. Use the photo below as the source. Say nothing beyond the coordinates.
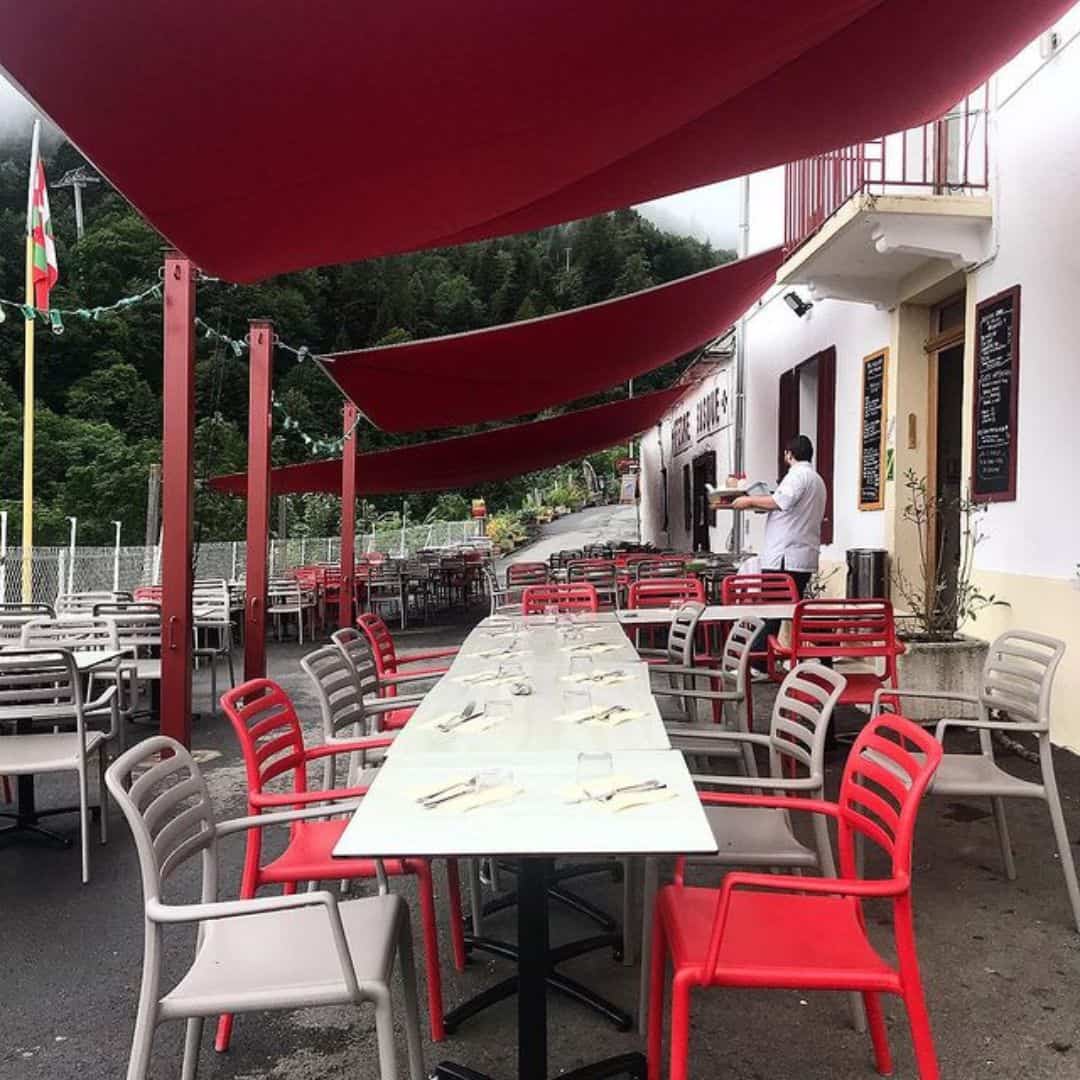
(808, 407)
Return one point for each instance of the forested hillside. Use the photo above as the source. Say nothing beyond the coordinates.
(99, 382)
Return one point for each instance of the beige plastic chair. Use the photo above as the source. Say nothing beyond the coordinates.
(340, 686)
(1017, 681)
(273, 952)
(44, 687)
(730, 678)
(83, 603)
(212, 606)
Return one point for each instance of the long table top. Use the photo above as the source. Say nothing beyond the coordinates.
(536, 750)
(712, 613)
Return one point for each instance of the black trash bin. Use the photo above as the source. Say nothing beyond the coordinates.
(868, 573)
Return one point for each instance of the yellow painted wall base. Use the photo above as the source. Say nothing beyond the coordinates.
(1048, 606)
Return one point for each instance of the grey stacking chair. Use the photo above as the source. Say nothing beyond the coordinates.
(759, 836)
(80, 632)
(271, 952)
(1014, 696)
(732, 675)
(43, 686)
(340, 685)
(213, 619)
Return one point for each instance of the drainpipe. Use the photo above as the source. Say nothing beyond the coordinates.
(740, 365)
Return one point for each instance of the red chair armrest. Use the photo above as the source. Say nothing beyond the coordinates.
(357, 746)
(262, 799)
(430, 654)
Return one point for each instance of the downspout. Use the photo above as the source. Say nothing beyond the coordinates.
(743, 248)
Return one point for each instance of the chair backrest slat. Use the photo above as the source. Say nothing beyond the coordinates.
(269, 733)
(767, 588)
(662, 592)
(579, 596)
(526, 573)
(1019, 675)
(680, 642)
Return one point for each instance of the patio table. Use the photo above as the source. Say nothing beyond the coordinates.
(713, 613)
(24, 822)
(539, 824)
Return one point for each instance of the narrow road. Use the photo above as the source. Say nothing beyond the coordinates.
(595, 525)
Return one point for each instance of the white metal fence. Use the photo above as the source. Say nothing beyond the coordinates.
(125, 568)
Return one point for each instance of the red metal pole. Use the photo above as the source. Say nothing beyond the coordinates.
(348, 517)
(260, 377)
(177, 496)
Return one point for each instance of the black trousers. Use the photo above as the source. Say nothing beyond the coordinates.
(772, 626)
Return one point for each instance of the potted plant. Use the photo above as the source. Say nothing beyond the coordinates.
(940, 597)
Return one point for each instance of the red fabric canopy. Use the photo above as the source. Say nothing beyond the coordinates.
(522, 367)
(262, 137)
(473, 459)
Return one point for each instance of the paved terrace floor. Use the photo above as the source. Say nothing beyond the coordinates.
(1001, 961)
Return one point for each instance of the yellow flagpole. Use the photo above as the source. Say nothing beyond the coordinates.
(28, 395)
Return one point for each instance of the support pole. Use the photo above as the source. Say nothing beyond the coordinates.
(70, 588)
(3, 556)
(116, 558)
(348, 517)
(260, 375)
(28, 389)
(178, 493)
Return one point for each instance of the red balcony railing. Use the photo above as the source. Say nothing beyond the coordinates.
(947, 156)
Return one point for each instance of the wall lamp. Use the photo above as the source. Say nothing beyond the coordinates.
(797, 303)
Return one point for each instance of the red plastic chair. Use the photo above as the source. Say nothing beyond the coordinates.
(664, 592)
(272, 742)
(845, 629)
(148, 594)
(785, 932)
(536, 599)
(770, 587)
(388, 663)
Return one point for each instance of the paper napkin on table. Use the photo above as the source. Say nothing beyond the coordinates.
(598, 678)
(479, 721)
(592, 793)
(482, 797)
(590, 716)
(445, 783)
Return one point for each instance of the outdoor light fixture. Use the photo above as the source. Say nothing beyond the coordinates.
(797, 303)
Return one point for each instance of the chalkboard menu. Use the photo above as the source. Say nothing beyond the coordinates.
(872, 445)
(997, 378)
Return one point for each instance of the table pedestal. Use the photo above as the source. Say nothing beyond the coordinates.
(534, 957)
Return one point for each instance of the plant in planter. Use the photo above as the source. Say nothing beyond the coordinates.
(940, 598)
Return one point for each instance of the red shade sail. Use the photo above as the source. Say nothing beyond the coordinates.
(262, 137)
(522, 367)
(474, 459)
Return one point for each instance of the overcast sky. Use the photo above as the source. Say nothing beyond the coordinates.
(708, 213)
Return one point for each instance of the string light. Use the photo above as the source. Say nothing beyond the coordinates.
(54, 318)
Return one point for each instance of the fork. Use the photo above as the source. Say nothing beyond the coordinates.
(625, 789)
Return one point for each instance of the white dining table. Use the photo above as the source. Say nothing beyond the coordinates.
(712, 613)
(537, 753)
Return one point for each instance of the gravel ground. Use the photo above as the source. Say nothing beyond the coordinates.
(1001, 960)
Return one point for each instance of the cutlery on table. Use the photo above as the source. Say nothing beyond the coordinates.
(466, 787)
(468, 783)
(470, 712)
(624, 789)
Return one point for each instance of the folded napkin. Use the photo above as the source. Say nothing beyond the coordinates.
(501, 650)
(593, 648)
(490, 677)
(598, 678)
(482, 797)
(480, 721)
(592, 792)
(594, 716)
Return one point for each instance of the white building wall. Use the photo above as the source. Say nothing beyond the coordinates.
(777, 340)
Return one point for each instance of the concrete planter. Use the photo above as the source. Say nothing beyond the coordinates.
(941, 665)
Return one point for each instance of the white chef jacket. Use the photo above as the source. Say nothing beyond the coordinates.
(793, 532)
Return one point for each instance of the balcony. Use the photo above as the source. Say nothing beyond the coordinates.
(870, 222)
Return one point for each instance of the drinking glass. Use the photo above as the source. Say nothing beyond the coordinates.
(575, 701)
(581, 665)
(493, 778)
(593, 766)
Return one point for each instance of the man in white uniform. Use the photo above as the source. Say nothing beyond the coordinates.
(793, 529)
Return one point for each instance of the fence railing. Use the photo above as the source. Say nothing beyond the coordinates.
(950, 155)
(103, 568)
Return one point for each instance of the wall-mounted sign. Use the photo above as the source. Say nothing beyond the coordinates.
(997, 383)
(713, 409)
(680, 433)
(872, 463)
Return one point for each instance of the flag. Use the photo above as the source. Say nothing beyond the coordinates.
(45, 269)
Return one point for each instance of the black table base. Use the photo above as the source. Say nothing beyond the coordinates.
(535, 958)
